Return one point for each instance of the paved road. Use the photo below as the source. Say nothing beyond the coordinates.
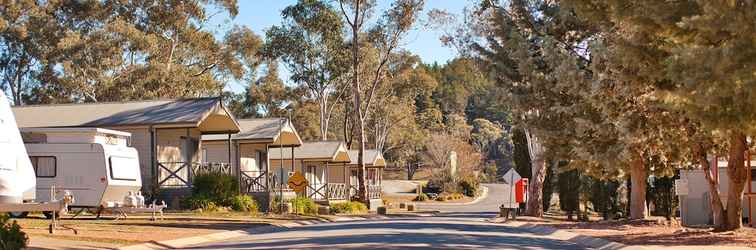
(488, 207)
(457, 227)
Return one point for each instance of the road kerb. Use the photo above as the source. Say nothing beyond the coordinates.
(483, 195)
(190, 241)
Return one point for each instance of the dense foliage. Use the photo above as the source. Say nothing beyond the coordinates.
(244, 203)
(212, 190)
(349, 207)
(304, 205)
(11, 236)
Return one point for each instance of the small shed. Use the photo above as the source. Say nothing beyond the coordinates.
(695, 201)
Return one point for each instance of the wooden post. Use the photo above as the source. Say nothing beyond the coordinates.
(154, 168)
(292, 159)
(327, 195)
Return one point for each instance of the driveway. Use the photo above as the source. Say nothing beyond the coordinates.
(457, 227)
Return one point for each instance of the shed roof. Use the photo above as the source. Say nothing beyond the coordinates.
(333, 151)
(265, 129)
(192, 112)
(372, 157)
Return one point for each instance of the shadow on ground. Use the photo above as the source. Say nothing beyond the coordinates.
(438, 233)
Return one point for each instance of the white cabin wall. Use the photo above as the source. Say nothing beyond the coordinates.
(248, 156)
(140, 140)
(217, 152)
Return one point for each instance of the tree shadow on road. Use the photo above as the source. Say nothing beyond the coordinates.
(397, 234)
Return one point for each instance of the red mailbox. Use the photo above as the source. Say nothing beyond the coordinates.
(521, 187)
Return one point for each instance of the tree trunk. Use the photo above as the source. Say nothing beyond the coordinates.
(324, 119)
(411, 171)
(738, 173)
(638, 176)
(715, 200)
(359, 120)
(534, 205)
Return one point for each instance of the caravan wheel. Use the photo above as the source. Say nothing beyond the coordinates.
(18, 214)
(49, 215)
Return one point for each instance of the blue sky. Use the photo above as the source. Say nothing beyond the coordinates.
(259, 15)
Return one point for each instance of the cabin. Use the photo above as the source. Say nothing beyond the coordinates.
(249, 150)
(323, 164)
(166, 133)
(693, 191)
(374, 165)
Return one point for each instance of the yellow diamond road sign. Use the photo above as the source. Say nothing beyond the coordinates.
(298, 182)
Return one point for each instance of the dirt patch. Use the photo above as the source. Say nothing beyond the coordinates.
(655, 231)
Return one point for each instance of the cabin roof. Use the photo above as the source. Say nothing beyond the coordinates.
(269, 129)
(193, 112)
(78, 130)
(372, 157)
(333, 151)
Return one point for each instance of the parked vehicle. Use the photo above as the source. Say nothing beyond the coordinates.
(96, 165)
(17, 180)
(16, 174)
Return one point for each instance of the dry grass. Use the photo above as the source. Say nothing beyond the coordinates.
(139, 229)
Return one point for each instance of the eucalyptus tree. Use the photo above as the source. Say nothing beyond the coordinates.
(523, 51)
(27, 34)
(118, 50)
(311, 45)
(699, 54)
(385, 35)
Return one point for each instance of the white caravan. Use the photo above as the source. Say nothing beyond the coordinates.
(96, 165)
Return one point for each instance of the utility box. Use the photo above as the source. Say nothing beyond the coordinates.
(521, 189)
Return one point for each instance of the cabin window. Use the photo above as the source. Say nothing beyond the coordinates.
(44, 166)
(124, 168)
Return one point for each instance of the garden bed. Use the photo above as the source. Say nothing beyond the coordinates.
(654, 231)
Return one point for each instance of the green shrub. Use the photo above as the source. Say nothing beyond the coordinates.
(382, 210)
(469, 186)
(244, 203)
(11, 236)
(421, 197)
(221, 187)
(349, 207)
(200, 201)
(304, 205)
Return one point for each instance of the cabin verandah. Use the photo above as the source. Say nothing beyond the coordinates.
(374, 165)
(247, 152)
(324, 164)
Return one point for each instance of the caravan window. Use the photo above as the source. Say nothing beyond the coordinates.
(124, 168)
(44, 166)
